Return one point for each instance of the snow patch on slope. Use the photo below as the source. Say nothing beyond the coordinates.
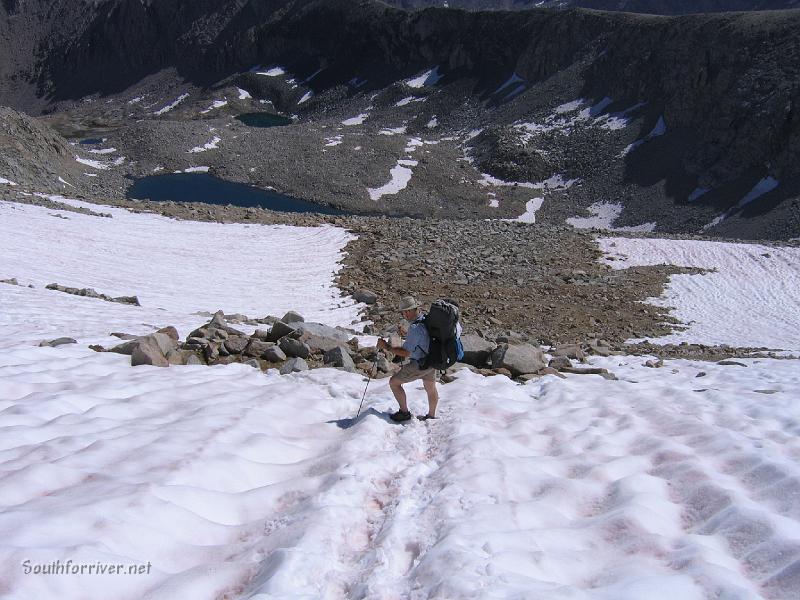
(751, 299)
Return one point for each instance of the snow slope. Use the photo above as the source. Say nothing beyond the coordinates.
(751, 299)
(223, 482)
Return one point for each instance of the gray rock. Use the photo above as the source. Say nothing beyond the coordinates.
(519, 359)
(164, 342)
(560, 363)
(731, 363)
(236, 345)
(257, 347)
(323, 331)
(476, 350)
(294, 348)
(252, 363)
(318, 343)
(294, 365)
(148, 352)
(274, 354)
(292, 317)
(193, 359)
(339, 357)
(260, 334)
(280, 329)
(124, 336)
(126, 347)
(366, 296)
(572, 351)
(58, 342)
(170, 331)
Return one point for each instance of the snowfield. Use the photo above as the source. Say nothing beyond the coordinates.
(223, 482)
(751, 299)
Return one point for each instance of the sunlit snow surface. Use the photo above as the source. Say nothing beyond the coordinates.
(234, 483)
(752, 298)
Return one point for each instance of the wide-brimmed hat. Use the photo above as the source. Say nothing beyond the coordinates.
(408, 303)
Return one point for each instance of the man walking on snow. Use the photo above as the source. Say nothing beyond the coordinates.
(415, 349)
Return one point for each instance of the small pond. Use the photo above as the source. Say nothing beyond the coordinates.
(201, 187)
(264, 119)
(91, 141)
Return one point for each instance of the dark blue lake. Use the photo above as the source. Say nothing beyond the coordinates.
(264, 119)
(201, 187)
(91, 141)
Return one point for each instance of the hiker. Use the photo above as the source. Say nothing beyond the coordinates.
(415, 348)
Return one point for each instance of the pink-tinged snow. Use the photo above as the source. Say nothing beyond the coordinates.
(604, 214)
(171, 106)
(201, 169)
(103, 151)
(229, 482)
(232, 482)
(4, 181)
(243, 94)
(306, 97)
(212, 145)
(176, 268)
(752, 298)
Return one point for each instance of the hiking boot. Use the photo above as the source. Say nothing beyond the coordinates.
(400, 416)
(425, 417)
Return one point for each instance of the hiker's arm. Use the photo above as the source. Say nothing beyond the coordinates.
(399, 351)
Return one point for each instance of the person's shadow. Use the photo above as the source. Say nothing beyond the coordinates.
(348, 423)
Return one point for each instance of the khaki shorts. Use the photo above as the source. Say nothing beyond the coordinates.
(411, 372)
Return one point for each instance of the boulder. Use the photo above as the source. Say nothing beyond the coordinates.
(124, 336)
(193, 359)
(257, 347)
(182, 357)
(292, 317)
(219, 322)
(572, 351)
(260, 334)
(519, 359)
(126, 347)
(170, 331)
(366, 296)
(252, 363)
(148, 352)
(58, 342)
(559, 363)
(294, 365)
(274, 354)
(339, 357)
(476, 350)
(236, 344)
(294, 348)
(318, 343)
(323, 331)
(278, 330)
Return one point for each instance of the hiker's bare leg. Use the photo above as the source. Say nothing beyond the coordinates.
(399, 393)
(433, 396)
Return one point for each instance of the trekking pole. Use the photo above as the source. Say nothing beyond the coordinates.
(369, 378)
